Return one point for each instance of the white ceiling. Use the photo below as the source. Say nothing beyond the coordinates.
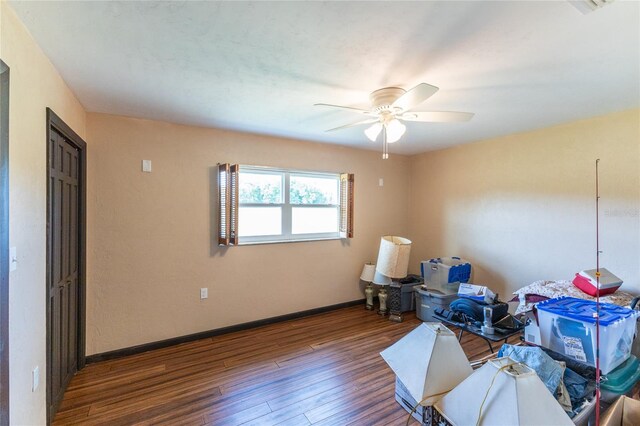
(260, 66)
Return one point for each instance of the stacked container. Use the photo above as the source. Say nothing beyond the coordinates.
(621, 380)
(428, 300)
(445, 270)
(567, 326)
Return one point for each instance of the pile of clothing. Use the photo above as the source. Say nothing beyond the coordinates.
(571, 383)
(527, 297)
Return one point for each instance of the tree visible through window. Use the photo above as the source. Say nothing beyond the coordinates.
(260, 188)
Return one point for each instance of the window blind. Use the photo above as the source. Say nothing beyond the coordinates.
(228, 204)
(346, 204)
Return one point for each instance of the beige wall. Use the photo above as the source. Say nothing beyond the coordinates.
(152, 235)
(522, 207)
(35, 85)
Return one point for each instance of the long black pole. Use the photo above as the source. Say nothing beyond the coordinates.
(597, 297)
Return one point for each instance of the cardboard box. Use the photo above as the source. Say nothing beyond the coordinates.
(404, 398)
(624, 412)
(479, 293)
(532, 329)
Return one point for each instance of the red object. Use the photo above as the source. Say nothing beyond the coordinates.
(590, 288)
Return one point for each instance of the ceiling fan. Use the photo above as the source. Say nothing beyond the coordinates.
(392, 105)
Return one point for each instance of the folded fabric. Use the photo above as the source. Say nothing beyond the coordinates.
(549, 371)
(529, 298)
(579, 380)
(553, 289)
(577, 386)
(562, 393)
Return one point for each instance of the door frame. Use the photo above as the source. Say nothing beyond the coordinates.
(4, 246)
(54, 121)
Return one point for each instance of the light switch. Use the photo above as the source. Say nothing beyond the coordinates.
(13, 259)
(204, 293)
(380, 182)
(146, 166)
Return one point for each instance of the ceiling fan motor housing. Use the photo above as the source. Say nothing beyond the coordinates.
(382, 99)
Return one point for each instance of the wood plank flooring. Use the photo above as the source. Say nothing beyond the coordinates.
(321, 370)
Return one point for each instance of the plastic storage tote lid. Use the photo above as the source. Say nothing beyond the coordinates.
(584, 310)
(447, 260)
(607, 279)
(623, 378)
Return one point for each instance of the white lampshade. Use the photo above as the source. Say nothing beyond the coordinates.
(393, 257)
(373, 131)
(368, 272)
(429, 362)
(395, 129)
(380, 279)
(517, 397)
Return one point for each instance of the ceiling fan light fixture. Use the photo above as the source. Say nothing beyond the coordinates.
(392, 105)
(395, 129)
(373, 131)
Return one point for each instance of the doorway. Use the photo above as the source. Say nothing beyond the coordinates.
(66, 207)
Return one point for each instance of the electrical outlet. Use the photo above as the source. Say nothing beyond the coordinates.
(146, 166)
(35, 379)
(204, 293)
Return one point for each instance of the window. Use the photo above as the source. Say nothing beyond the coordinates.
(283, 205)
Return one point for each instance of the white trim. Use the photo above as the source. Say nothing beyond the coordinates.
(266, 169)
(254, 243)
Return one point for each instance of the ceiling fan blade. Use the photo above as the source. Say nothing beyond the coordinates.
(415, 96)
(437, 116)
(358, 110)
(357, 123)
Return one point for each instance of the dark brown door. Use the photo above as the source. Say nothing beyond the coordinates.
(64, 205)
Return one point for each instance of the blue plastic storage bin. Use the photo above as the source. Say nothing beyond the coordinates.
(567, 326)
(445, 270)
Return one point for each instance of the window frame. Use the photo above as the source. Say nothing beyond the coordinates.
(286, 207)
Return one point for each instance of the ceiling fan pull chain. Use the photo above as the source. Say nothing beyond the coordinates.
(385, 145)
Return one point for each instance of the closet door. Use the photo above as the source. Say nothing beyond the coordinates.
(64, 214)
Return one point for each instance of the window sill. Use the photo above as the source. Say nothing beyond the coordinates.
(253, 243)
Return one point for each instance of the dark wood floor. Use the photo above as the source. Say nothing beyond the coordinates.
(322, 370)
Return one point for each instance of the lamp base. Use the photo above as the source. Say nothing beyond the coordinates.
(382, 297)
(395, 317)
(395, 302)
(368, 292)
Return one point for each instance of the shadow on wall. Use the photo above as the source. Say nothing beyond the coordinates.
(484, 275)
